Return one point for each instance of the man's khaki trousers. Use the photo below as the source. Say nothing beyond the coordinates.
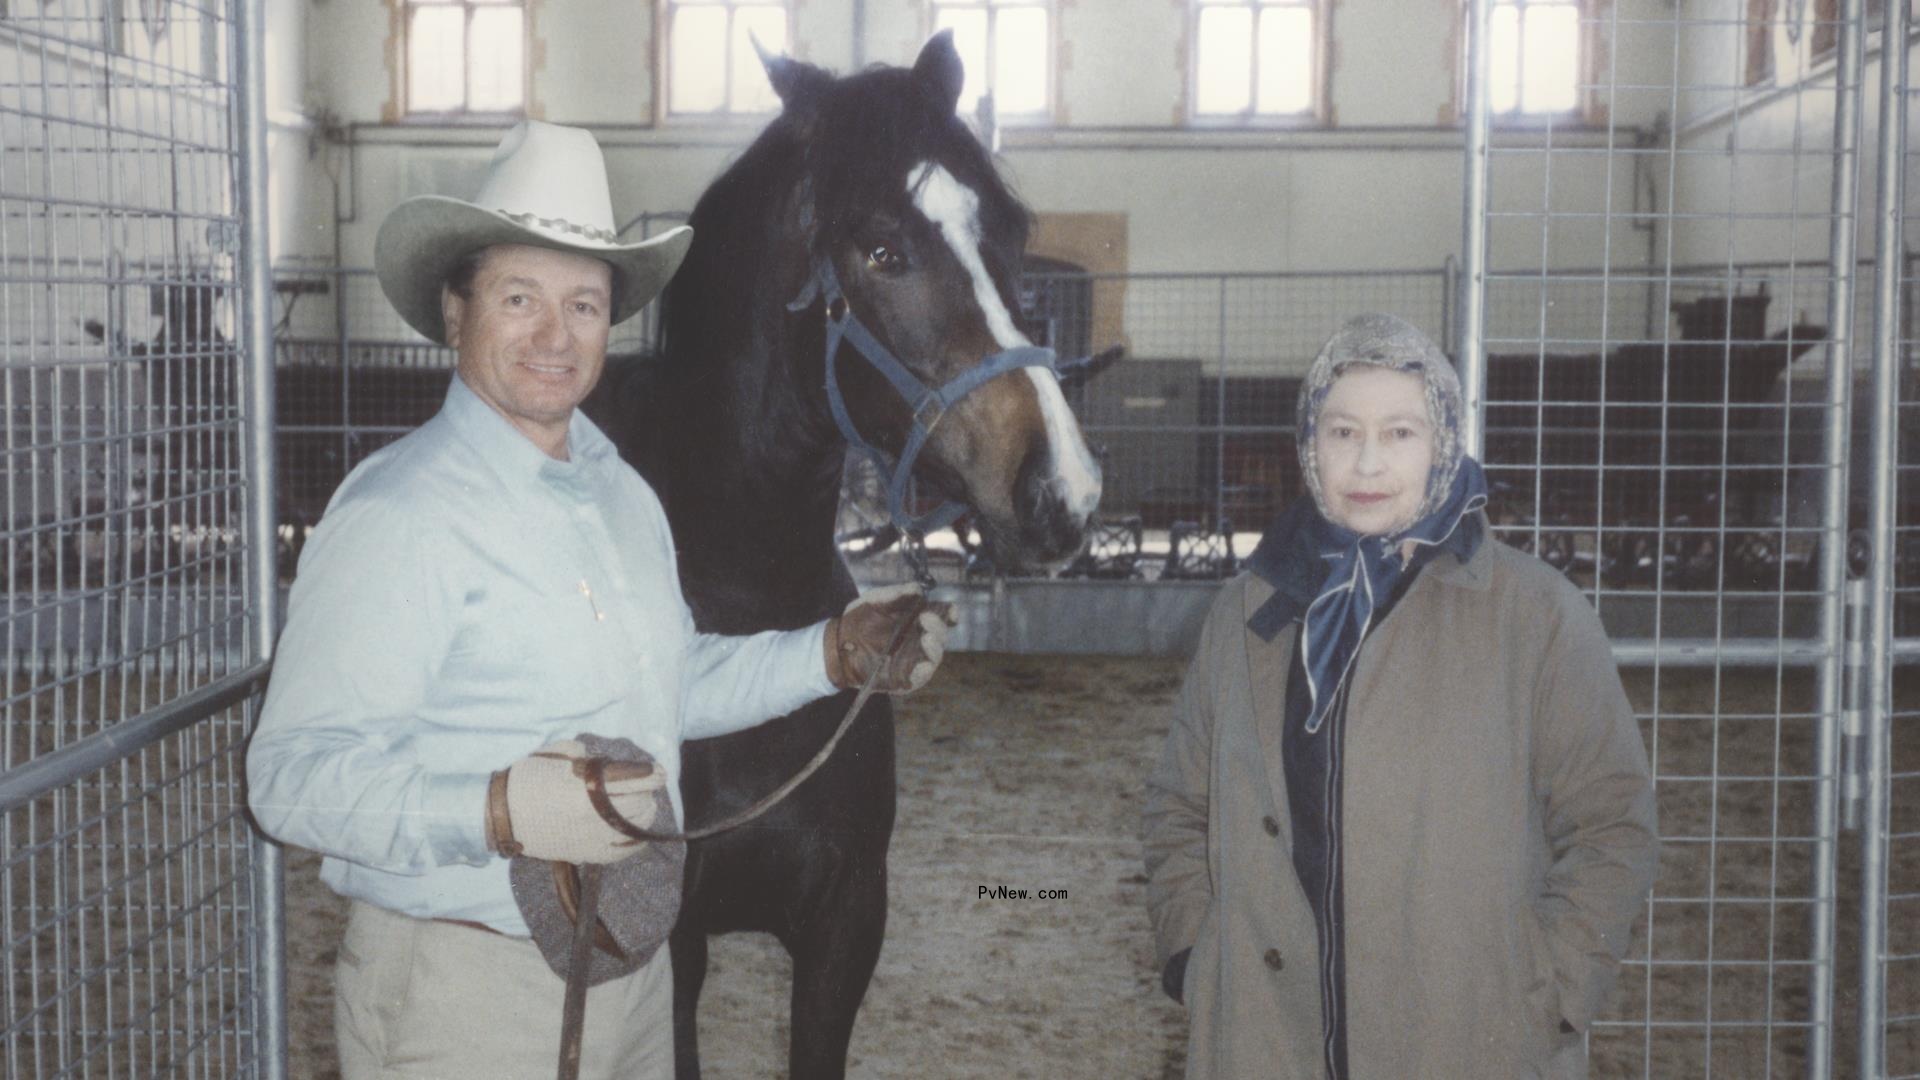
(422, 999)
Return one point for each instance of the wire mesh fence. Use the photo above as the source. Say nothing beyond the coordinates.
(1670, 425)
(129, 899)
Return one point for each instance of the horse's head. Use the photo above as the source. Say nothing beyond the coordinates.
(925, 240)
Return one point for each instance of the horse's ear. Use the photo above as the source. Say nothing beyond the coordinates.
(797, 83)
(940, 71)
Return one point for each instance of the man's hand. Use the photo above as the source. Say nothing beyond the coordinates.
(858, 639)
(539, 807)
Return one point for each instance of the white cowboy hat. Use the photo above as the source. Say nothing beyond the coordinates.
(547, 186)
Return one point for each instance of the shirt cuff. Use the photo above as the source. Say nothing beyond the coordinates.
(453, 810)
(814, 639)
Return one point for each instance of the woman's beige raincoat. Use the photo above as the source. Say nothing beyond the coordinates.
(1499, 836)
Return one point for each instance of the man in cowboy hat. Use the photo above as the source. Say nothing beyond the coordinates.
(488, 601)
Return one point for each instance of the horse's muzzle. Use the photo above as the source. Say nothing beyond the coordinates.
(1047, 529)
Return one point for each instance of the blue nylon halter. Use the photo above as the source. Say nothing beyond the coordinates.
(927, 404)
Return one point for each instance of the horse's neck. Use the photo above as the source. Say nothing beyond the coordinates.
(751, 484)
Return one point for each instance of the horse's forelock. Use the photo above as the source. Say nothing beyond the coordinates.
(874, 131)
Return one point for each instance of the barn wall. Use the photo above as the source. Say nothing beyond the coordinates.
(1764, 152)
(1377, 187)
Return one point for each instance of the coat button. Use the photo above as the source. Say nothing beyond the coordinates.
(1272, 826)
(1273, 959)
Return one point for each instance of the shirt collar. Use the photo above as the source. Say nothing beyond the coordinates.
(514, 456)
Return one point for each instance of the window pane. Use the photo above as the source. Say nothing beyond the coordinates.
(1504, 64)
(1223, 61)
(1020, 61)
(1553, 58)
(751, 91)
(970, 38)
(496, 59)
(697, 60)
(434, 70)
(1286, 60)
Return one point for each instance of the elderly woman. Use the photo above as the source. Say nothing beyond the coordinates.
(1403, 820)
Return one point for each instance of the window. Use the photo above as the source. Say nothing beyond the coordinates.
(1007, 48)
(466, 56)
(1255, 59)
(1828, 17)
(712, 69)
(1537, 58)
(1757, 63)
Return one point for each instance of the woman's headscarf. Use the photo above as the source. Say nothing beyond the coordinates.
(1393, 343)
(1361, 571)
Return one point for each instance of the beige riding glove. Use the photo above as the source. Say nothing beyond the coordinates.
(540, 806)
(857, 639)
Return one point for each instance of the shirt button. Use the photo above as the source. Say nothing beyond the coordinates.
(1272, 826)
(1273, 959)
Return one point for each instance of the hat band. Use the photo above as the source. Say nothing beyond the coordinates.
(591, 232)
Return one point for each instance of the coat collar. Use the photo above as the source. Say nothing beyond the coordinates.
(1461, 561)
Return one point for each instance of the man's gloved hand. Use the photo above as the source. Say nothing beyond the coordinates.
(857, 639)
(539, 806)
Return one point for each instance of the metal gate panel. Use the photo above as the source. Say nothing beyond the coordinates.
(131, 631)
(1654, 325)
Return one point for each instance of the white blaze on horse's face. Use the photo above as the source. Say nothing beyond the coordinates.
(954, 209)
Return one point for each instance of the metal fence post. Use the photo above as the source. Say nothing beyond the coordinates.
(269, 873)
(1883, 399)
(1472, 278)
(343, 328)
(1830, 675)
(1220, 422)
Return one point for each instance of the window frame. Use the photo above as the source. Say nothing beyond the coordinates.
(1049, 113)
(1589, 110)
(663, 111)
(1318, 114)
(464, 113)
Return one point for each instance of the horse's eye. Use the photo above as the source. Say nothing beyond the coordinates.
(885, 259)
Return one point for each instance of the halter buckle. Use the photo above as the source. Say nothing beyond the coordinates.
(929, 412)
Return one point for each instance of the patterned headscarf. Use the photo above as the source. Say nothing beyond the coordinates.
(1390, 342)
(1356, 573)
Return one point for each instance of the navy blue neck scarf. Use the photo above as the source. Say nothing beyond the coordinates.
(1359, 573)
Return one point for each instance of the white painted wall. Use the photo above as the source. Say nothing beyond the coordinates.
(1380, 187)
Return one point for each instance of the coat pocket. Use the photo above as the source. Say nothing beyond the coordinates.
(1543, 987)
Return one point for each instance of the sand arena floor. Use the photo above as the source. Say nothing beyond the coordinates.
(1027, 771)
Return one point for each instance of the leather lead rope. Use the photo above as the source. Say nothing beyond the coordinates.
(596, 767)
(586, 914)
(573, 1012)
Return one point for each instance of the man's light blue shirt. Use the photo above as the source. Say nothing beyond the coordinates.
(466, 600)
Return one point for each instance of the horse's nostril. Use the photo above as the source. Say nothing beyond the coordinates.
(1048, 527)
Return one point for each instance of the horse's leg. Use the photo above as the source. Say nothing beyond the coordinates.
(833, 960)
(689, 975)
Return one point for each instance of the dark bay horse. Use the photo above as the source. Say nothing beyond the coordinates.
(732, 426)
